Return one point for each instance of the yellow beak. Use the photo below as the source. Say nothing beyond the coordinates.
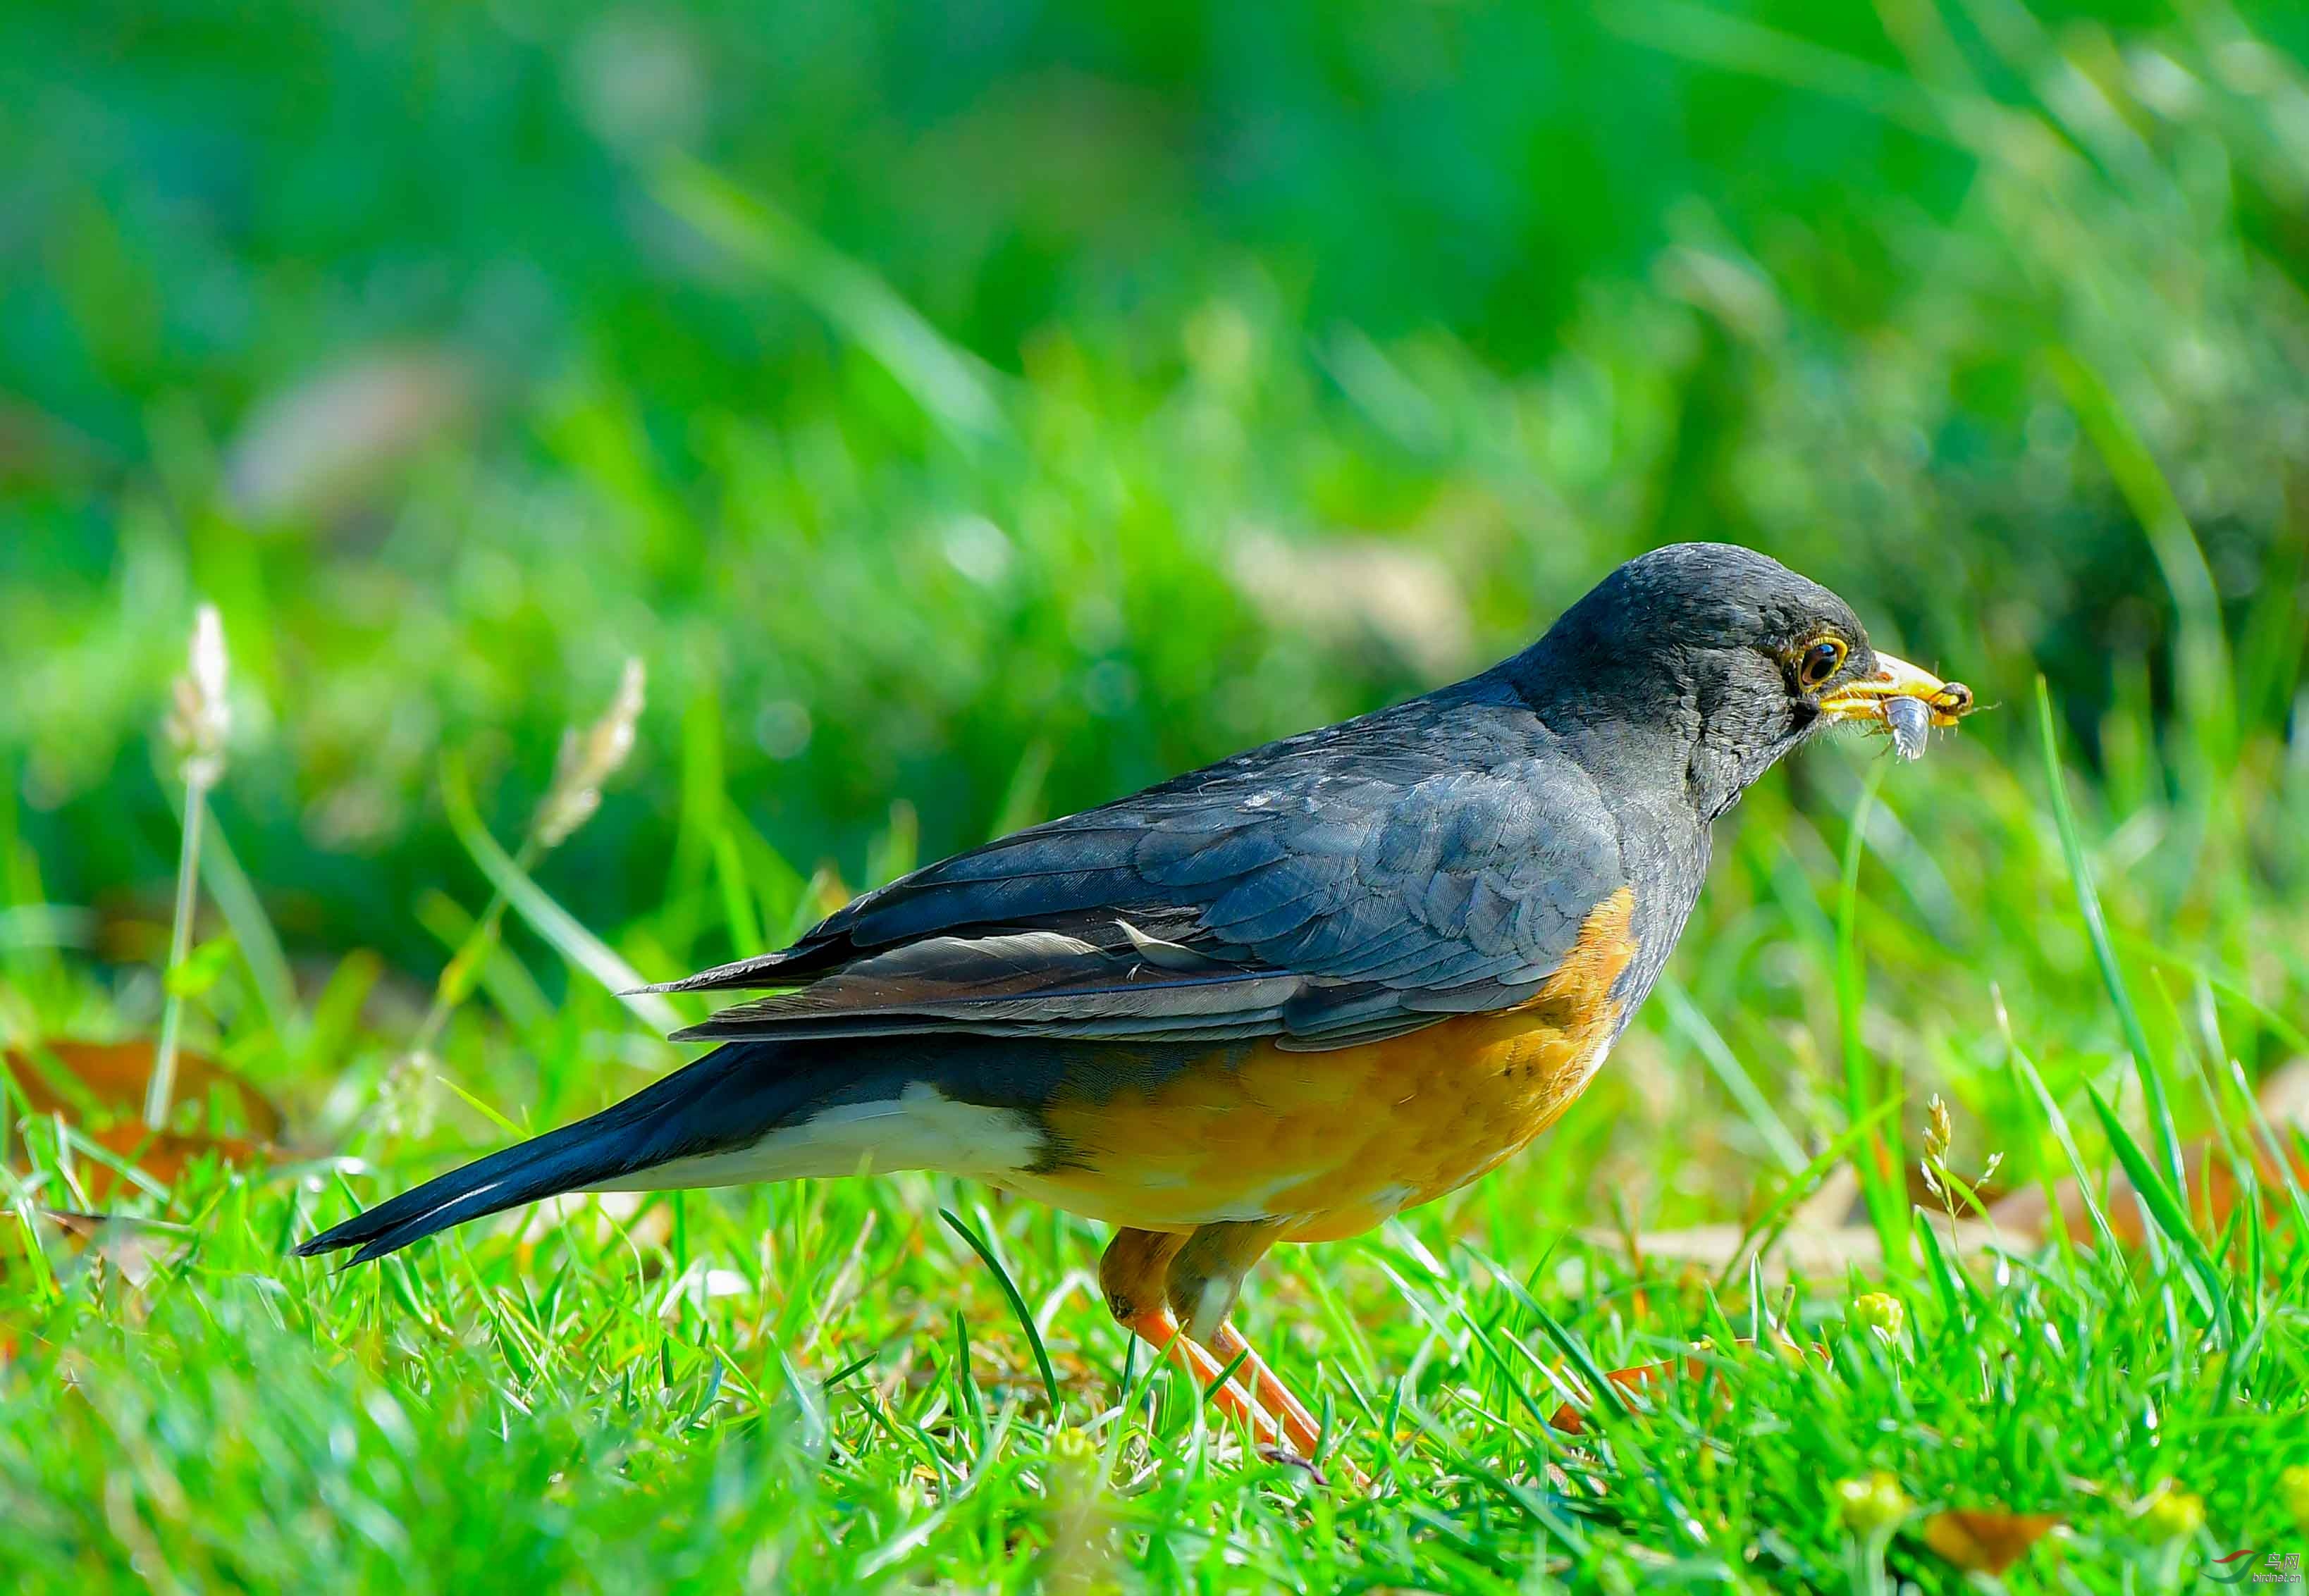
(1864, 699)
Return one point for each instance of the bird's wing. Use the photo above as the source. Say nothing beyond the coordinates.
(1327, 890)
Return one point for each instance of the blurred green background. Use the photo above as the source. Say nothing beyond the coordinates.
(996, 406)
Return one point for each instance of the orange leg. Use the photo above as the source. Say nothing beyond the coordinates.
(1288, 1426)
(1160, 1330)
(1299, 1426)
(1141, 1268)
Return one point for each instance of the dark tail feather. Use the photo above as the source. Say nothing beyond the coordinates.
(558, 1161)
(724, 1098)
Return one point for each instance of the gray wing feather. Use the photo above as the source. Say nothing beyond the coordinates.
(1334, 888)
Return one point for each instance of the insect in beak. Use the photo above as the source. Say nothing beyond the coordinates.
(1905, 698)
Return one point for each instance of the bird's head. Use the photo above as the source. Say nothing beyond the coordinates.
(1727, 653)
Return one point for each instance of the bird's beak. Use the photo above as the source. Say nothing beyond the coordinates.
(1864, 699)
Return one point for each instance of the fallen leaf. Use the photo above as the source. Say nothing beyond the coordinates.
(1834, 1203)
(1348, 589)
(2284, 1094)
(1986, 1541)
(164, 1155)
(73, 1243)
(98, 1088)
(111, 1077)
(2284, 1097)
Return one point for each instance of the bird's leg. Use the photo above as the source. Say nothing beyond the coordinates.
(1299, 1426)
(1148, 1276)
(1205, 1277)
(1301, 1429)
(1160, 1330)
(1133, 1273)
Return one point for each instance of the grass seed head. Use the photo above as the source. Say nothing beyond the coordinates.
(589, 758)
(1939, 1131)
(200, 718)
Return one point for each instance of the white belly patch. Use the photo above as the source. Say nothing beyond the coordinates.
(922, 1128)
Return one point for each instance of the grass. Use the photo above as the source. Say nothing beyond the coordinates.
(933, 500)
(820, 1384)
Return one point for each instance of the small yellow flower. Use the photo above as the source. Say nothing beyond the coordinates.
(1872, 1504)
(2293, 1490)
(1881, 1311)
(2171, 1514)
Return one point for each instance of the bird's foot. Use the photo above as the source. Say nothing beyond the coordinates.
(1251, 1392)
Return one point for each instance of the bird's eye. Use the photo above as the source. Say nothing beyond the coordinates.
(1821, 661)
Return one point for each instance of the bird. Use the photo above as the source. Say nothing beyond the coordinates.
(1280, 998)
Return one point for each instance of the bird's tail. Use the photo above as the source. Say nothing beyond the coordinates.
(733, 1093)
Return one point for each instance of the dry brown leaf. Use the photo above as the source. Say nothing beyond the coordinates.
(134, 1249)
(113, 1076)
(1347, 589)
(328, 445)
(99, 1087)
(1986, 1541)
(2212, 1195)
(2284, 1098)
(133, 1246)
(1835, 1203)
(163, 1155)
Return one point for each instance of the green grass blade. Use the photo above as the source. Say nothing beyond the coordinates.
(950, 384)
(2280, 1155)
(235, 899)
(2152, 1083)
(1685, 1016)
(547, 917)
(1017, 1302)
(1603, 1392)
(2165, 1209)
(1877, 1157)
(2201, 658)
(2059, 1122)
(737, 899)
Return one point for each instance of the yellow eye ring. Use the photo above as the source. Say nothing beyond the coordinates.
(1820, 661)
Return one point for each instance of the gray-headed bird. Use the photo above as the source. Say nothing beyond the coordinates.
(1279, 999)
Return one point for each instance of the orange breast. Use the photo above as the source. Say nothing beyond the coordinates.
(1338, 1141)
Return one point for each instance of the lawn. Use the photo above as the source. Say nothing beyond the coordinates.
(909, 423)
